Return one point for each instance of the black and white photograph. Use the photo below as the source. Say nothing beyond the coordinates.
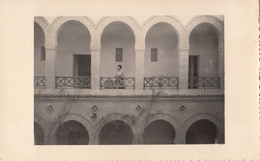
(123, 81)
(129, 80)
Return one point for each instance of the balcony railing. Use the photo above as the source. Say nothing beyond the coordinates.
(161, 82)
(204, 82)
(39, 81)
(117, 83)
(73, 82)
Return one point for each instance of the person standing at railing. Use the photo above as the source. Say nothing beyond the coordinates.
(119, 78)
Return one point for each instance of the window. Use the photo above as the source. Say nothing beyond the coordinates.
(43, 53)
(154, 54)
(119, 54)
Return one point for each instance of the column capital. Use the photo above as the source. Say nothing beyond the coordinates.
(95, 49)
(183, 50)
(139, 49)
(51, 47)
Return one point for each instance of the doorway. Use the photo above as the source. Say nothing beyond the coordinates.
(82, 71)
(193, 66)
(193, 71)
(82, 65)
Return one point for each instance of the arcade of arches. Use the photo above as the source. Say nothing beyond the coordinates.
(118, 132)
(73, 47)
(173, 85)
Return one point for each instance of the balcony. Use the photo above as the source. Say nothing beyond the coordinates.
(80, 82)
(84, 82)
(39, 82)
(204, 82)
(117, 83)
(161, 82)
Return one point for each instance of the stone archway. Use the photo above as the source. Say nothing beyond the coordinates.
(43, 23)
(201, 132)
(73, 57)
(71, 117)
(161, 51)
(159, 132)
(203, 43)
(117, 47)
(219, 126)
(124, 120)
(170, 125)
(39, 52)
(114, 133)
(219, 26)
(126, 20)
(72, 133)
(60, 21)
(165, 19)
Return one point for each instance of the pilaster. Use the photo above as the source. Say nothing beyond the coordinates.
(95, 68)
(183, 56)
(50, 66)
(139, 68)
(221, 65)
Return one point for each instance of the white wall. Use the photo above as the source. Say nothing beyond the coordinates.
(73, 38)
(204, 42)
(39, 40)
(163, 37)
(117, 35)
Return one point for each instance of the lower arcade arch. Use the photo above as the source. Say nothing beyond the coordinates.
(115, 133)
(72, 133)
(159, 132)
(202, 132)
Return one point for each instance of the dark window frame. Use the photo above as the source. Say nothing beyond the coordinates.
(43, 53)
(154, 54)
(119, 55)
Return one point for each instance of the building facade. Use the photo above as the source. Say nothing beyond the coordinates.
(172, 91)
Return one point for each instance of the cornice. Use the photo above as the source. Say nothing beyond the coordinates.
(131, 98)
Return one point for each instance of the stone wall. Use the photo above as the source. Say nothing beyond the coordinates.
(138, 112)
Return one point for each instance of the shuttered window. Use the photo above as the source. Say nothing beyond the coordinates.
(119, 54)
(43, 53)
(154, 54)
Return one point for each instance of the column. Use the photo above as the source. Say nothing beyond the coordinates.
(138, 139)
(91, 137)
(183, 56)
(49, 138)
(50, 65)
(95, 68)
(221, 65)
(139, 69)
(179, 137)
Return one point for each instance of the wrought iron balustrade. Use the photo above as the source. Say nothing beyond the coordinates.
(39, 81)
(117, 83)
(204, 82)
(73, 82)
(161, 82)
